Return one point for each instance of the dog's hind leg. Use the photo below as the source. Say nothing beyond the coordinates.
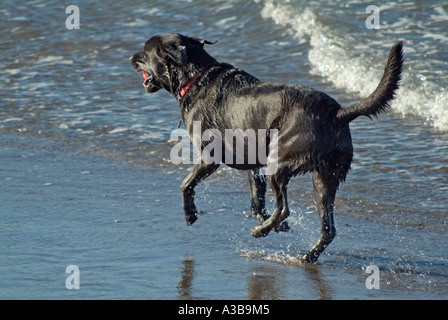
(199, 173)
(325, 187)
(278, 183)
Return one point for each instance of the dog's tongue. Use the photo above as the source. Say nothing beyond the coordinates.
(145, 75)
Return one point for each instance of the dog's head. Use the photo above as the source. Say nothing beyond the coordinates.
(169, 61)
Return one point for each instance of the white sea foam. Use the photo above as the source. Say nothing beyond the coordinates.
(12, 119)
(355, 64)
(118, 130)
(50, 60)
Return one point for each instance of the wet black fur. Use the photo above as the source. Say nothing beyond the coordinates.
(313, 129)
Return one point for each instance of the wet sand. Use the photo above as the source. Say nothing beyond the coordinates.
(122, 225)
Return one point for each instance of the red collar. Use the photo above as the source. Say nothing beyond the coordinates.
(190, 82)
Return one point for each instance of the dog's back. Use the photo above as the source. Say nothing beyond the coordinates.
(314, 134)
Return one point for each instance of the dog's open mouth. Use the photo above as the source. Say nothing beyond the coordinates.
(148, 79)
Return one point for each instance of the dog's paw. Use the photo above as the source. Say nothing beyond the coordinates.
(259, 232)
(260, 217)
(282, 227)
(309, 257)
(191, 218)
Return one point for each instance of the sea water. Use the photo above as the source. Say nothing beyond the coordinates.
(86, 178)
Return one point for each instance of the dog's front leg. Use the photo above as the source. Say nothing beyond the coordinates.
(257, 191)
(199, 173)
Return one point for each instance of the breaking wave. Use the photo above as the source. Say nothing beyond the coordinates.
(345, 53)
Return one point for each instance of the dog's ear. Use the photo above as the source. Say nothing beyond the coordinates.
(177, 53)
(201, 42)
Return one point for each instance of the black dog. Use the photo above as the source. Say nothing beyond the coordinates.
(312, 129)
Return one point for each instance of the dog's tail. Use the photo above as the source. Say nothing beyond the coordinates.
(378, 101)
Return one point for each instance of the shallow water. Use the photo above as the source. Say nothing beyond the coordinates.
(86, 178)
